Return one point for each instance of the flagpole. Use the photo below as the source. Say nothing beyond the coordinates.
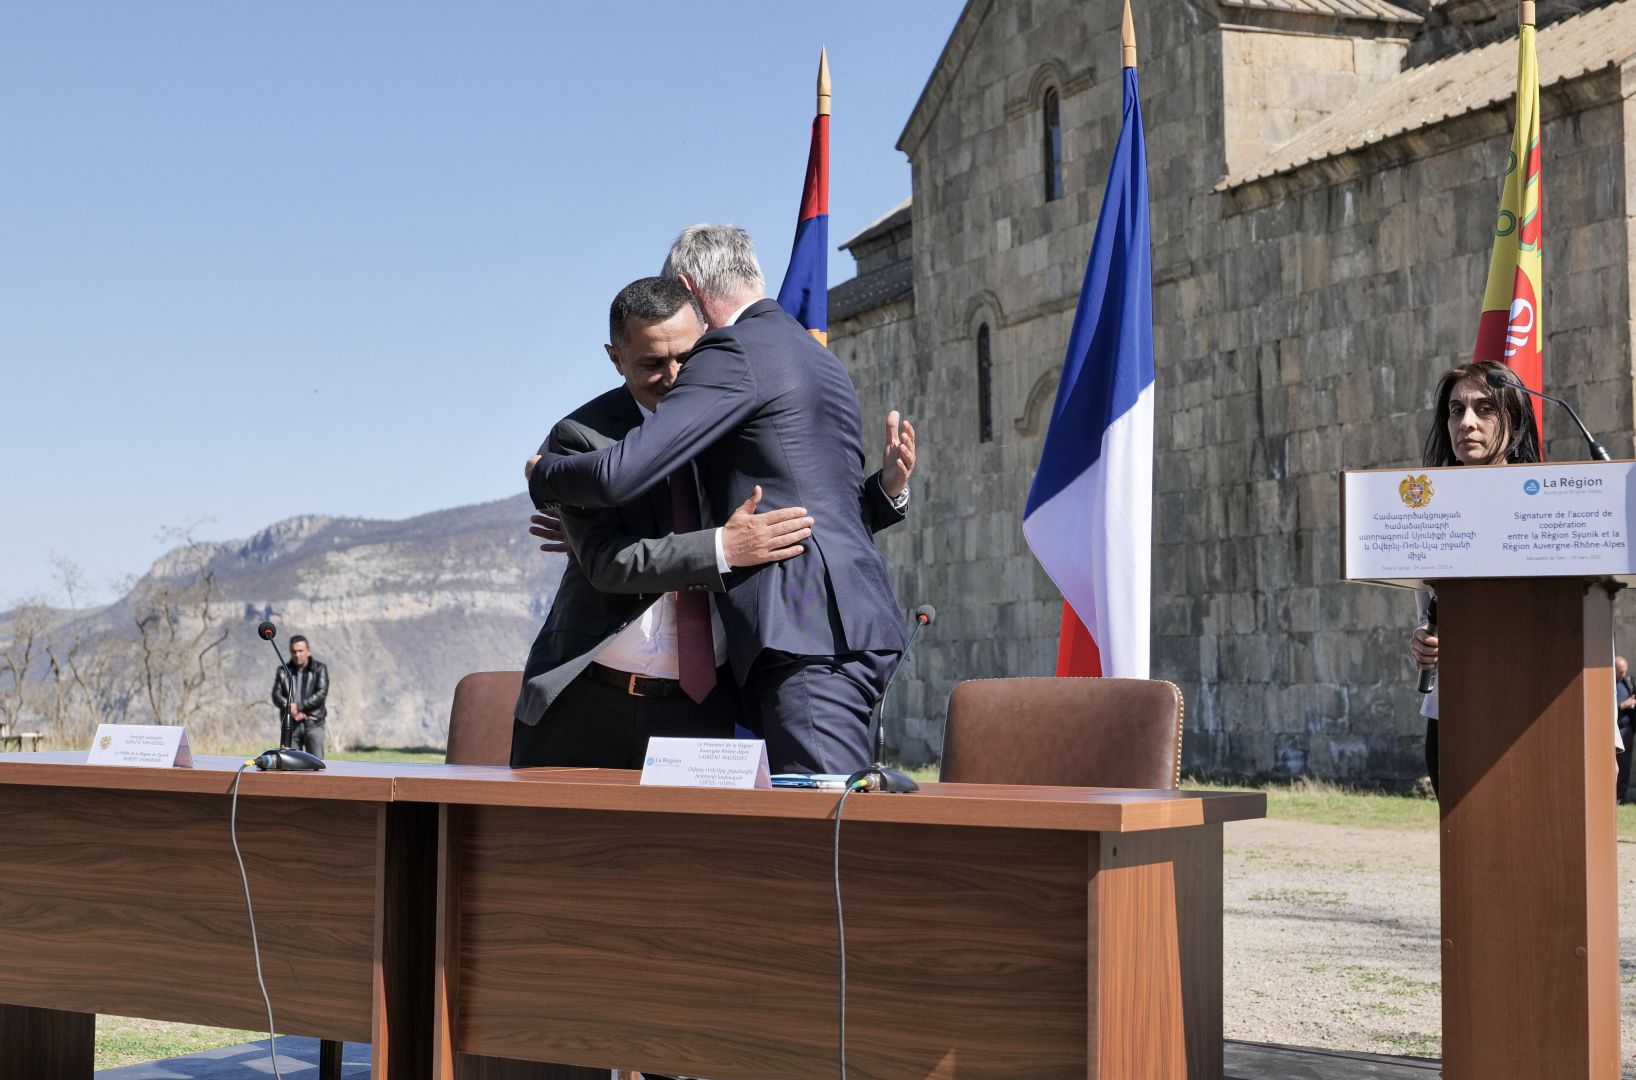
(1127, 33)
(823, 77)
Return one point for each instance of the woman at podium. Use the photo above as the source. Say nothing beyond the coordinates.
(1474, 422)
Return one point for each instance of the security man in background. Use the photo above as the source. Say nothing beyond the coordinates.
(306, 701)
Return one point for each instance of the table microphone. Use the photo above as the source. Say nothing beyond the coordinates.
(878, 777)
(285, 758)
(1597, 450)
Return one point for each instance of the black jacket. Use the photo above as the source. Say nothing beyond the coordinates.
(313, 683)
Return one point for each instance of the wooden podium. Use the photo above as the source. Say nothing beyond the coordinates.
(1524, 560)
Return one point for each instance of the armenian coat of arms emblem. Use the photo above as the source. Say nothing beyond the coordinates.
(1415, 491)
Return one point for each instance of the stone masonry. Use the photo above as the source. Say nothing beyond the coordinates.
(1324, 177)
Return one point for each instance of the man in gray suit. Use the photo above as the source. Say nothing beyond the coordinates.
(605, 672)
(761, 405)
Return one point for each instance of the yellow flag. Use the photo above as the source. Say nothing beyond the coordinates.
(1509, 329)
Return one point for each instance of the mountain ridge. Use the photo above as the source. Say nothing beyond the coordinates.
(398, 610)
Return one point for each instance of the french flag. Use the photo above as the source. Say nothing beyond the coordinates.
(1089, 518)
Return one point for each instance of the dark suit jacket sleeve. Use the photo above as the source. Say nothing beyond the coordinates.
(535, 491)
(616, 561)
(878, 510)
(712, 395)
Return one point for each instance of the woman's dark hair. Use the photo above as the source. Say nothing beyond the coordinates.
(1518, 432)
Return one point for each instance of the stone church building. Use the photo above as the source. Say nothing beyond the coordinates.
(1324, 178)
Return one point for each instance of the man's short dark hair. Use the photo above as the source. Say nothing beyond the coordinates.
(653, 299)
(297, 637)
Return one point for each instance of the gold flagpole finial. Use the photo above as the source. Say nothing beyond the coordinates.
(823, 81)
(1127, 36)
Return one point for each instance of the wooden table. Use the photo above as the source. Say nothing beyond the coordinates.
(574, 916)
(993, 933)
(119, 894)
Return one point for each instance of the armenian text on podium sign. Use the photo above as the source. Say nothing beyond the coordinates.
(1408, 526)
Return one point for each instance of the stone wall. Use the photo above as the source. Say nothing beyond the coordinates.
(1311, 344)
(1301, 324)
(1276, 84)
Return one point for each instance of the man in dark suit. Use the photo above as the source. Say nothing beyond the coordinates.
(759, 403)
(603, 674)
(601, 677)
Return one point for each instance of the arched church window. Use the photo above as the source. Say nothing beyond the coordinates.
(985, 387)
(1052, 114)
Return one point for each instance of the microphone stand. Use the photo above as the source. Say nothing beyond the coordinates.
(286, 724)
(1598, 452)
(878, 777)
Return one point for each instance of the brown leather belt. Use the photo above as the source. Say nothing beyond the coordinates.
(633, 684)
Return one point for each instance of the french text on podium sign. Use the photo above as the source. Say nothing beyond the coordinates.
(1406, 526)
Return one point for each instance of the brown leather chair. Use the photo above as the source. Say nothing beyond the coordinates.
(1124, 733)
(480, 718)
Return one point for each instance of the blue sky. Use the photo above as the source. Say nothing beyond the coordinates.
(259, 260)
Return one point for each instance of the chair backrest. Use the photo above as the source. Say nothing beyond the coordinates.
(1065, 732)
(480, 718)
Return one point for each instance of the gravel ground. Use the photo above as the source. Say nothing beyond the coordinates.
(1331, 938)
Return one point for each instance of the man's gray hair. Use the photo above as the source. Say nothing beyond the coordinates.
(719, 260)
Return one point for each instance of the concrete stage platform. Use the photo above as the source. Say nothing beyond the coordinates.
(298, 1058)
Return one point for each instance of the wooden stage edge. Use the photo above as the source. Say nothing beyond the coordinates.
(1245, 1061)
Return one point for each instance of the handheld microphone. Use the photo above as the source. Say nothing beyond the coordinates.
(286, 734)
(1428, 676)
(1597, 450)
(878, 777)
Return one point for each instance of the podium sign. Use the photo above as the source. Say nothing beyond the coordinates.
(1408, 526)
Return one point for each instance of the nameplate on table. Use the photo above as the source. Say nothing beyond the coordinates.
(151, 746)
(711, 763)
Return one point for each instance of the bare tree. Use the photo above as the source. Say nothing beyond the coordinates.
(19, 652)
(178, 651)
(89, 682)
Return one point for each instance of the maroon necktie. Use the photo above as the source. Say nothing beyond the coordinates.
(695, 647)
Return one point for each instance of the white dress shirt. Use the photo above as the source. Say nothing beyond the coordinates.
(648, 645)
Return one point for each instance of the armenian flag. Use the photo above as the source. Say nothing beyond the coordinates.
(805, 292)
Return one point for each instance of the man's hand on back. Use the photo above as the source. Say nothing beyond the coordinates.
(548, 527)
(899, 460)
(751, 539)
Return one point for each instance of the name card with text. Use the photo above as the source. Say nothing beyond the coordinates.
(712, 763)
(1408, 526)
(147, 745)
